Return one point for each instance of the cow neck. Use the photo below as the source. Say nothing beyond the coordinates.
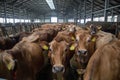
(14, 71)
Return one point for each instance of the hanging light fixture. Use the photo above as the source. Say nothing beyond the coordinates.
(51, 4)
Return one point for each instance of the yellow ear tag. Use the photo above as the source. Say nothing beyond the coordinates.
(9, 66)
(72, 48)
(93, 39)
(72, 38)
(45, 47)
(63, 28)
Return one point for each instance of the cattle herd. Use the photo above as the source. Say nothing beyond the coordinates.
(60, 52)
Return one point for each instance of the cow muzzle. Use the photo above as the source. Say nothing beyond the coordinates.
(82, 52)
(56, 69)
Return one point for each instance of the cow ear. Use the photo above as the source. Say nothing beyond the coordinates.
(31, 38)
(87, 28)
(44, 45)
(9, 62)
(99, 27)
(34, 38)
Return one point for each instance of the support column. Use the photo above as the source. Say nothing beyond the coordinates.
(24, 15)
(84, 11)
(20, 15)
(105, 10)
(44, 19)
(75, 16)
(80, 7)
(112, 14)
(57, 17)
(5, 13)
(13, 14)
(92, 9)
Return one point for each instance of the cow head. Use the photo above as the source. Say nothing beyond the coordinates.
(60, 54)
(94, 29)
(84, 39)
(71, 28)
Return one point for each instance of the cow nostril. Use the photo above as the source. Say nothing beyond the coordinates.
(85, 52)
(82, 52)
(78, 52)
(58, 69)
(61, 69)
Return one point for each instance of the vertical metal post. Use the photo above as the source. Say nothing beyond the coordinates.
(84, 11)
(30, 18)
(112, 14)
(5, 13)
(19, 15)
(24, 15)
(44, 18)
(50, 19)
(57, 18)
(64, 17)
(105, 11)
(92, 9)
(13, 14)
(80, 8)
(75, 16)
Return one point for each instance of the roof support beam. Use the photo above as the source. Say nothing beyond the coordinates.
(105, 11)
(92, 9)
(5, 13)
(112, 14)
(84, 11)
(80, 9)
(13, 11)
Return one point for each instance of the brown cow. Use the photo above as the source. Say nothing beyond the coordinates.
(60, 53)
(8, 43)
(85, 46)
(44, 35)
(87, 43)
(105, 63)
(29, 59)
(24, 50)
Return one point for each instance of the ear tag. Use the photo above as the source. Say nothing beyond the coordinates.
(72, 38)
(45, 47)
(93, 39)
(9, 66)
(63, 28)
(72, 48)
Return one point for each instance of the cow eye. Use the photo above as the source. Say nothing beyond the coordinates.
(66, 49)
(88, 39)
(77, 40)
